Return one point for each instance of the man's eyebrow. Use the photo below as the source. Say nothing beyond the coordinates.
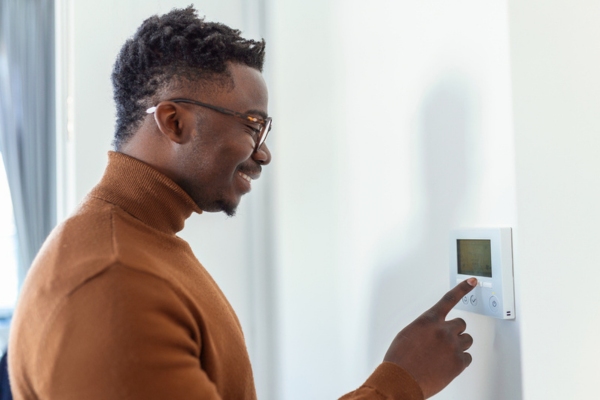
(261, 114)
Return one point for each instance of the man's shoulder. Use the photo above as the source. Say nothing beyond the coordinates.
(79, 247)
(96, 238)
(97, 235)
(87, 232)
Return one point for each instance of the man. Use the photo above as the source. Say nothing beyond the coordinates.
(116, 306)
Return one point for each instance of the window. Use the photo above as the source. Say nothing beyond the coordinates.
(8, 248)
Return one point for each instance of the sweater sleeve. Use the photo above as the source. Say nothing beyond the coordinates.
(387, 382)
(124, 334)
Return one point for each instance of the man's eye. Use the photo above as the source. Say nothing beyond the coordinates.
(254, 130)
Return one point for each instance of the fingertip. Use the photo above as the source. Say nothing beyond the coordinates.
(472, 281)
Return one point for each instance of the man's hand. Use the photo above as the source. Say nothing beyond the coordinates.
(432, 349)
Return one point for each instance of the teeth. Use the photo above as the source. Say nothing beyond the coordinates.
(246, 177)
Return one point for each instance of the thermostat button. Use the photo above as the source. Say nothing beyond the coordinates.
(494, 303)
(473, 300)
(465, 300)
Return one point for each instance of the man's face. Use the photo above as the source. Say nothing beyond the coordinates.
(217, 166)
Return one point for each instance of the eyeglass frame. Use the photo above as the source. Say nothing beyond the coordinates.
(265, 123)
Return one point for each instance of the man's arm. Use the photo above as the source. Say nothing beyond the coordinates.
(428, 354)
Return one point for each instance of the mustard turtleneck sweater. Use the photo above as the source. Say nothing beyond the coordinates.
(116, 306)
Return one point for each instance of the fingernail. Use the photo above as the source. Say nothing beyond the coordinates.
(472, 281)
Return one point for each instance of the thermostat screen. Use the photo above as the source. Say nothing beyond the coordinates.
(474, 257)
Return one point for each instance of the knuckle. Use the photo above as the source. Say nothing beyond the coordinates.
(441, 335)
(459, 324)
(447, 336)
(428, 317)
(467, 359)
(450, 297)
(467, 340)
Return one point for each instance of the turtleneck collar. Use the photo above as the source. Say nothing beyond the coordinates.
(145, 193)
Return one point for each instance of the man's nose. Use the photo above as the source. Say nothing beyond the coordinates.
(262, 155)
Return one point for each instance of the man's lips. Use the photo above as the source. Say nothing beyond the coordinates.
(245, 177)
(249, 176)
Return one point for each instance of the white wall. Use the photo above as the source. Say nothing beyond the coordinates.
(555, 56)
(393, 127)
(305, 103)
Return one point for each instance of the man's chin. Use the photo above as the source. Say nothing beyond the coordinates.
(227, 207)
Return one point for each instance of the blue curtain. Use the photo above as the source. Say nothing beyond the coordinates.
(27, 119)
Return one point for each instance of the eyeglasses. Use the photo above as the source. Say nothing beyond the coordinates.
(259, 134)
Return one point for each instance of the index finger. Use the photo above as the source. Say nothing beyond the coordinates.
(450, 299)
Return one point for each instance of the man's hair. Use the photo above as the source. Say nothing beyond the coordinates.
(171, 49)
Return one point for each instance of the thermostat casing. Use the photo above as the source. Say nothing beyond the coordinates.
(486, 254)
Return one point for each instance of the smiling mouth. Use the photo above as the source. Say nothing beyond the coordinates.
(244, 176)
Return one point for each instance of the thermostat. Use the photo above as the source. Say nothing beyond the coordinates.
(485, 254)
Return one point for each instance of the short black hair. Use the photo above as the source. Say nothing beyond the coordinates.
(175, 47)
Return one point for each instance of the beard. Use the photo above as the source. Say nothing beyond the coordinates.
(227, 207)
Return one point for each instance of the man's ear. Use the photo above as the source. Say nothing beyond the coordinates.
(173, 122)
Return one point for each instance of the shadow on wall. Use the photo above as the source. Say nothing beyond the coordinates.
(411, 279)
(408, 279)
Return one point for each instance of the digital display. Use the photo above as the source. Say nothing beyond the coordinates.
(474, 257)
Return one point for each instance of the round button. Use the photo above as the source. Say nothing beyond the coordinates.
(473, 300)
(494, 304)
(465, 300)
